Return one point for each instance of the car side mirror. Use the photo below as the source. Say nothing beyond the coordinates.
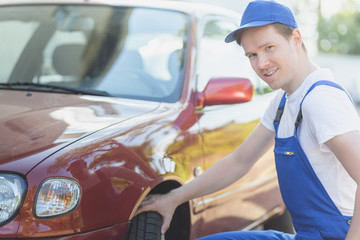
(223, 90)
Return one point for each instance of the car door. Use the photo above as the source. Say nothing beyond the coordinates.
(225, 127)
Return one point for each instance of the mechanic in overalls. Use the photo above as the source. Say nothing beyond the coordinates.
(316, 130)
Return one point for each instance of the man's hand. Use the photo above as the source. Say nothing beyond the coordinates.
(163, 204)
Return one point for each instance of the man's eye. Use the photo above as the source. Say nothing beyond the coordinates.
(252, 55)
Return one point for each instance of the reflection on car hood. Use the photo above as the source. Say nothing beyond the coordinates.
(35, 125)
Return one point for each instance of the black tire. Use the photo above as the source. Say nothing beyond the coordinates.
(145, 226)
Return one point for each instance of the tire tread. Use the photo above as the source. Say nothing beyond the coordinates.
(145, 226)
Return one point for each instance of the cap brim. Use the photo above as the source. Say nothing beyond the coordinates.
(231, 37)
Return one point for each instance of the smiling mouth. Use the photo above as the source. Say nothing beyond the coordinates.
(270, 73)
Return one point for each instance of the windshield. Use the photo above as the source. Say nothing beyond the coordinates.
(126, 52)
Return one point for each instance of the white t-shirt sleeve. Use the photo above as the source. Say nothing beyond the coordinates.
(268, 118)
(329, 113)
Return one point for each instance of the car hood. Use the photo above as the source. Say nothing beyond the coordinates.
(35, 125)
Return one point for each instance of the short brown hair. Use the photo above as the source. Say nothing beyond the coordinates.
(283, 29)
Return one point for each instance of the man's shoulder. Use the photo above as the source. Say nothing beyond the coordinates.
(327, 100)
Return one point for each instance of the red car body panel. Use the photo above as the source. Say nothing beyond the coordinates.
(35, 126)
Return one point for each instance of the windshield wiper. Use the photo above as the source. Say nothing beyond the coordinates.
(37, 86)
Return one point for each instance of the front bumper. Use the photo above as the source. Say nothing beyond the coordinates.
(117, 231)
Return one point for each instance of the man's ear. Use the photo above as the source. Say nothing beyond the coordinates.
(296, 38)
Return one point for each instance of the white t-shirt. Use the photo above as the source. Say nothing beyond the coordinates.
(327, 112)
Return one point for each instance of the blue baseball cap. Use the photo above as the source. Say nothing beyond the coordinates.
(263, 12)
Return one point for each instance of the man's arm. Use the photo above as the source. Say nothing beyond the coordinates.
(220, 175)
(346, 147)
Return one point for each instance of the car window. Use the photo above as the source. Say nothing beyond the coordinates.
(13, 44)
(127, 52)
(220, 59)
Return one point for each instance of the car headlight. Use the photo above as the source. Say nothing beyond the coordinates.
(12, 193)
(56, 196)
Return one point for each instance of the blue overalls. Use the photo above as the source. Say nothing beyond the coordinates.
(314, 214)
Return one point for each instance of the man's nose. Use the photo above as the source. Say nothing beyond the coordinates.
(263, 61)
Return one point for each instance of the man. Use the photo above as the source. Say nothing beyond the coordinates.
(316, 130)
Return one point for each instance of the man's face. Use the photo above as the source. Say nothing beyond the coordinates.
(273, 57)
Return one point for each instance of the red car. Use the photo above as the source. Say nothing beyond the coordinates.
(103, 103)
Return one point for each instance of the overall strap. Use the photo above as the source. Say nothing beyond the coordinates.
(279, 113)
(322, 82)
